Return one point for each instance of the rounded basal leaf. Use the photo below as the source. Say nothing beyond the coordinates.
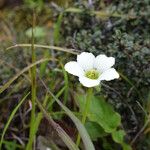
(95, 130)
(118, 137)
(101, 113)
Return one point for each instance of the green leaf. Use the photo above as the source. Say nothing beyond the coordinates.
(118, 137)
(95, 130)
(39, 32)
(101, 112)
(107, 145)
(11, 146)
(126, 147)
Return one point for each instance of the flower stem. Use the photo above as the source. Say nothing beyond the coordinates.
(33, 93)
(85, 112)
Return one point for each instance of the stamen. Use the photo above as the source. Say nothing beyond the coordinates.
(92, 74)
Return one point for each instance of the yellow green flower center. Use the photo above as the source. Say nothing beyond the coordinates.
(92, 74)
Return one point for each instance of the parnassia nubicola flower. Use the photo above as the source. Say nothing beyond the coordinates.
(92, 70)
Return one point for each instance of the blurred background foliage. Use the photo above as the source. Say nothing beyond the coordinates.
(117, 28)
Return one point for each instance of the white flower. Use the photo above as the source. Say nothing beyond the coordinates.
(92, 70)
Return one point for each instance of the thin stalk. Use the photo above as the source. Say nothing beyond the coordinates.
(33, 91)
(72, 51)
(85, 112)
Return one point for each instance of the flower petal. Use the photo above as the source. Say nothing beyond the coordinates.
(73, 67)
(109, 74)
(86, 60)
(88, 82)
(102, 62)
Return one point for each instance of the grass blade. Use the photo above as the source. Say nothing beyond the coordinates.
(11, 117)
(66, 139)
(57, 29)
(72, 51)
(66, 84)
(83, 133)
(7, 84)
